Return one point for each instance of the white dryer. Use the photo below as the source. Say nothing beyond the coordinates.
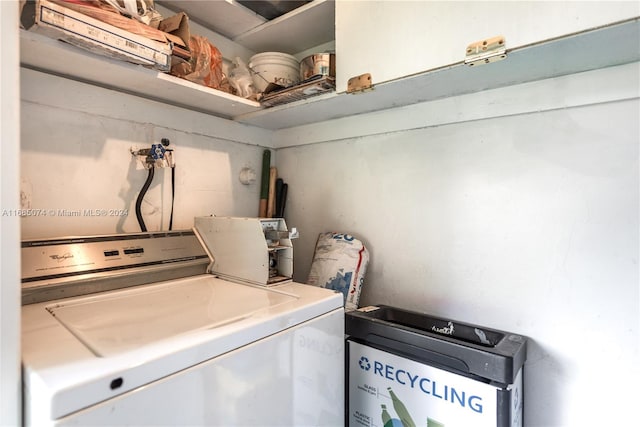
(131, 330)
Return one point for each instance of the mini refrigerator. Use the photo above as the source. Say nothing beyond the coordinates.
(409, 369)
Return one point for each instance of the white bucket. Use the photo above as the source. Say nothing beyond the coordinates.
(274, 67)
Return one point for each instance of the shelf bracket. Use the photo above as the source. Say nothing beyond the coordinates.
(358, 84)
(485, 51)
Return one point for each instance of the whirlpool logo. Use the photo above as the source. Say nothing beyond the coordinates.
(432, 387)
(61, 257)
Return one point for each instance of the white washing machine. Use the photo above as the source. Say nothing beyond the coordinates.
(132, 330)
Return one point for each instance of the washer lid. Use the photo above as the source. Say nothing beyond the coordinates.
(118, 322)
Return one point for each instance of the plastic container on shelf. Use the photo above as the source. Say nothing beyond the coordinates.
(274, 67)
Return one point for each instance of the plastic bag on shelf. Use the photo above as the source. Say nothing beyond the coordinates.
(205, 66)
(241, 80)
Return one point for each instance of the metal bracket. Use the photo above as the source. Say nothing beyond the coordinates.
(361, 83)
(486, 51)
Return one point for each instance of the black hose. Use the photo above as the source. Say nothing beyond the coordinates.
(145, 187)
(173, 195)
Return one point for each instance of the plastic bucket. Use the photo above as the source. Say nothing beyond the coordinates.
(274, 67)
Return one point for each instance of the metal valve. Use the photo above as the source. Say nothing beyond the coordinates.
(158, 156)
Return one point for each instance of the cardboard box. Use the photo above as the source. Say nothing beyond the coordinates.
(62, 23)
(176, 29)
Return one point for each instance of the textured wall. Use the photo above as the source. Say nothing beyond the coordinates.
(527, 223)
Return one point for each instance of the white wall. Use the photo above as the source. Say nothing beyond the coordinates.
(76, 142)
(527, 223)
(10, 385)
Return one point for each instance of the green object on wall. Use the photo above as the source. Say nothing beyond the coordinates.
(264, 183)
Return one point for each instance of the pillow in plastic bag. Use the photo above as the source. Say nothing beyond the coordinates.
(340, 262)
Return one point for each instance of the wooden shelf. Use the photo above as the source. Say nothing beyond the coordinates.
(52, 56)
(614, 44)
(602, 47)
(301, 29)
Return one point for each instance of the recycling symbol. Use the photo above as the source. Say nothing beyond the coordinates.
(364, 363)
